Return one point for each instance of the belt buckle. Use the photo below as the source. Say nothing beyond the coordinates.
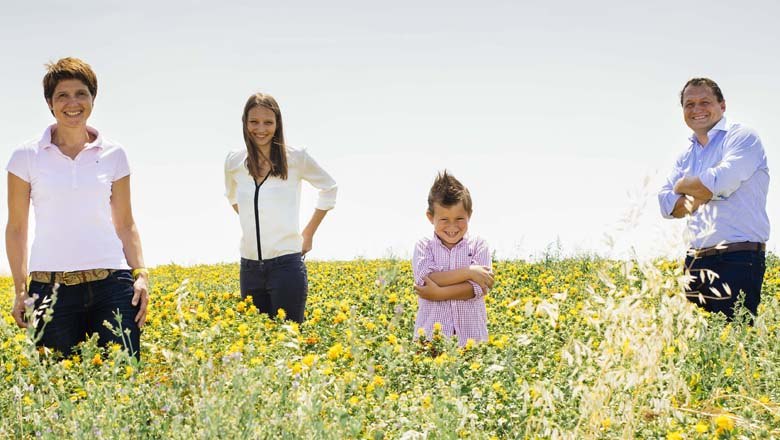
(71, 278)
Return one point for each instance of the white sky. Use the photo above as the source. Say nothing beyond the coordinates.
(552, 113)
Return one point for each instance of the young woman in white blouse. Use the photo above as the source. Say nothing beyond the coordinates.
(86, 248)
(263, 184)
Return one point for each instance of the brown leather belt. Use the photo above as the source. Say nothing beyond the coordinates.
(71, 278)
(726, 248)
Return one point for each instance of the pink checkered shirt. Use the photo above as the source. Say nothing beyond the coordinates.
(462, 318)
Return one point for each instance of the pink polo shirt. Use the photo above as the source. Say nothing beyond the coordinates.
(462, 318)
(71, 199)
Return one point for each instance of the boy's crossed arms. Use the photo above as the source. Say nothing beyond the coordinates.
(458, 284)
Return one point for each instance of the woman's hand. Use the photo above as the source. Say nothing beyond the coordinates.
(19, 308)
(141, 295)
(16, 241)
(310, 229)
(308, 240)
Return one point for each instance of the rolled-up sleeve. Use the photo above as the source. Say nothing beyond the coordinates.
(423, 263)
(743, 155)
(667, 198)
(320, 179)
(481, 256)
(230, 181)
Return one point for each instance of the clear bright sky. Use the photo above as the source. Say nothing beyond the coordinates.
(554, 114)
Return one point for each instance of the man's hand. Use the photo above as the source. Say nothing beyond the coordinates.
(692, 186)
(686, 205)
(481, 275)
(429, 291)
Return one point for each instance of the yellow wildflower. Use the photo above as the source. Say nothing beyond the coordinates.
(339, 318)
(335, 351)
(308, 360)
(724, 422)
(296, 368)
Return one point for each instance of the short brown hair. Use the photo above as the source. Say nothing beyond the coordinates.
(278, 159)
(448, 191)
(68, 68)
(703, 82)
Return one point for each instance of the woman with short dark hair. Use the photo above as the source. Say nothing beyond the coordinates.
(87, 251)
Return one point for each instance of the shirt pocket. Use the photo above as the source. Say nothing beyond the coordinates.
(441, 262)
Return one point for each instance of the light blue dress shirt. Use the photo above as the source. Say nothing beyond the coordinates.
(733, 166)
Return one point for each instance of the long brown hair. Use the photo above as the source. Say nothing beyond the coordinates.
(278, 159)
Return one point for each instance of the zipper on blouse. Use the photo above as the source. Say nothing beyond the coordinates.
(257, 216)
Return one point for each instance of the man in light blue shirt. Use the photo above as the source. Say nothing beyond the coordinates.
(720, 184)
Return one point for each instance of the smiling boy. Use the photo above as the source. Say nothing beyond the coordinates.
(452, 270)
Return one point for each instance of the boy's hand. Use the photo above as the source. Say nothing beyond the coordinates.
(428, 291)
(483, 276)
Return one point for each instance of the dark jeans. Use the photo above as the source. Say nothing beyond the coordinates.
(276, 283)
(741, 271)
(81, 309)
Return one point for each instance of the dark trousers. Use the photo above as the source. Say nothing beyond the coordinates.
(741, 271)
(276, 283)
(81, 309)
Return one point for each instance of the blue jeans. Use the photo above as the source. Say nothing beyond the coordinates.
(276, 283)
(81, 309)
(741, 271)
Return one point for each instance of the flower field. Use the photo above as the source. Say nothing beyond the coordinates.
(579, 348)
